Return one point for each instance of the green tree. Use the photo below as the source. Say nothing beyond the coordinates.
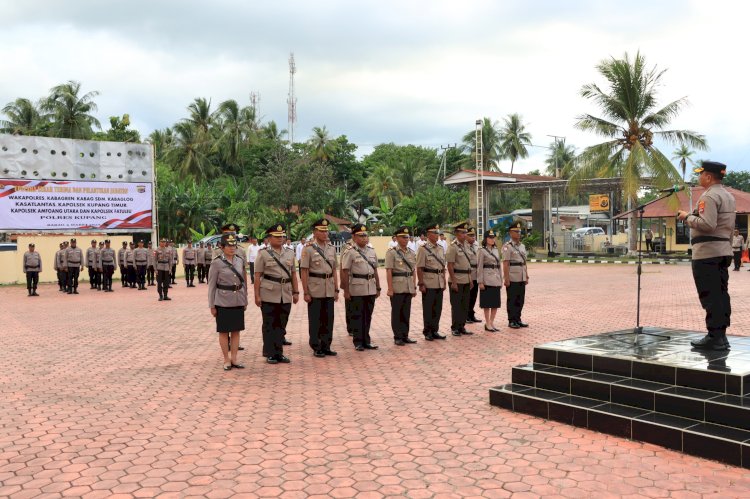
(739, 180)
(437, 204)
(119, 131)
(70, 112)
(320, 145)
(560, 159)
(514, 139)
(348, 172)
(491, 145)
(200, 115)
(683, 154)
(271, 132)
(189, 155)
(383, 182)
(24, 118)
(162, 140)
(235, 127)
(630, 123)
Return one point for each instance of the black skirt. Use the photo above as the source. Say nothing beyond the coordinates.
(489, 297)
(230, 319)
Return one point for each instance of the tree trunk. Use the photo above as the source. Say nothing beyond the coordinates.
(511, 166)
(633, 234)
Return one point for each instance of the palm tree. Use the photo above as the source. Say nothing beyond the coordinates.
(189, 156)
(24, 118)
(491, 154)
(559, 159)
(411, 174)
(383, 183)
(630, 124)
(200, 114)
(514, 139)
(271, 132)
(69, 111)
(234, 130)
(321, 146)
(162, 141)
(683, 153)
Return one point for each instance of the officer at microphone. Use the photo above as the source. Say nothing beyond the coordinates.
(712, 223)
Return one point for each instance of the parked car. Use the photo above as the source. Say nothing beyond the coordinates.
(217, 237)
(588, 231)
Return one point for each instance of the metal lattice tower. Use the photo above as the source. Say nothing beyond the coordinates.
(291, 99)
(255, 102)
(479, 155)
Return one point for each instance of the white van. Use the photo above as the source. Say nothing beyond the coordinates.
(588, 231)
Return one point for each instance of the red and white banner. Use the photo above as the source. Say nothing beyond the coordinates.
(49, 205)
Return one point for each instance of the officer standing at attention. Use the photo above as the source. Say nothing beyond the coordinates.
(431, 282)
(123, 264)
(232, 229)
(163, 257)
(140, 256)
(207, 259)
(130, 264)
(712, 223)
(109, 261)
(516, 276)
(72, 263)
(151, 266)
(175, 261)
(188, 261)
(473, 247)
(59, 267)
(738, 242)
(459, 277)
(99, 267)
(320, 286)
(200, 260)
(401, 274)
(276, 288)
(32, 265)
(361, 285)
(227, 299)
(347, 303)
(91, 264)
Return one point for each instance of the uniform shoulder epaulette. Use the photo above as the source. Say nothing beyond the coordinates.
(308, 244)
(391, 249)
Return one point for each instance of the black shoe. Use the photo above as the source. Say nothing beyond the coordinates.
(30, 294)
(238, 366)
(522, 324)
(240, 348)
(438, 336)
(272, 360)
(514, 325)
(283, 359)
(286, 343)
(70, 292)
(455, 332)
(399, 342)
(465, 332)
(319, 353)
(330, 353)
(369, 346)
(166, 298)
(409, 341)
(473, 320)
(35, 293)
(161, 298)
(710, 343)
(359, 348)
(429, 337)
(75, 291)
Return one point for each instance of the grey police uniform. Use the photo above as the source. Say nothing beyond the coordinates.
(458, 255)
(73, 259)
(62, 274)
(227, 292)
(91, 265)
(140, 257)
(489, 273)
(321, 288)
(123, 266)
(189, 259)
(163, 258)
(108, 267)
(362, 266)
(32, 265)
(515, 255)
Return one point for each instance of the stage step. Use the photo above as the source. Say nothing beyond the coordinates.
(654, 388)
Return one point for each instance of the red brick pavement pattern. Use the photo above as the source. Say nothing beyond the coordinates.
(118, 395)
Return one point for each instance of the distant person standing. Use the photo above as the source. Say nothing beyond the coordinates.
(61, 274)
(130, 264)
(175, 261)
(392, 243)
(91, 264)
(649, 240)
(123, 264)
(252, 254)
(109, 261)
(516, 276)
(712, 223)
(188, 262)
(401, 276)
(72, 263)
(32, 265)
(738, 242)
(163, 258)
(140, 257)
(151, 267)
(200, 261)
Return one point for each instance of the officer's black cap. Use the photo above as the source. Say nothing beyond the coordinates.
(73, 240)
(162, 240)
(463, 227)
(321, 224)
(106, 241)
(489, 233)
(471, 232)
(359, 229)
(229, 227)
(403, 231)
(32, 244)
(713, 167)
(228, 240)
(278, 230)
(516, 226)
(93, 240)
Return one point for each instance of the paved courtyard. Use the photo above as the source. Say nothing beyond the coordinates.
(105, 395)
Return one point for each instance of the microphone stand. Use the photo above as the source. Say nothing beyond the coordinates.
(638, 330)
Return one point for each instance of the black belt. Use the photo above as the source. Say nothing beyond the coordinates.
(75, 263)
(489, 266)
(280, 280)
(162, 261)
(461, 271)
(706, 239)
(401, 274)
(516, 264)
(109, 263)
(473, 266)
(142, 261)
(434, 271)
(364, 276)
(32, 268)
(319, 275)
(236, 287)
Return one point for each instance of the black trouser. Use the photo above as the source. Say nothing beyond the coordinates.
(173, 273)
(162, 282)
(124, 275)
(649, 245)
(189, 273)
(32, 280)
(737, 256)
(348, 316)
(99, 278)
(472, 300)
(320, 323)
(132, 276)
(108, 271)
(141, 271)
(711, 278)
(92, 277)
(201, 272)
(400, 315)
(362, 308)
(252, 272)
(150, 272)
(61, 278)
(275, 318)
(514, 304)
(72, 282)
(432, 309)
(459, 306)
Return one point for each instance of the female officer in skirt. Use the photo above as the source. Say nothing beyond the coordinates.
(227, 298)
(490, 280)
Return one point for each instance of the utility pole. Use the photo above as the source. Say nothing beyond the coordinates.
(443, 170)
(557, 141)
(291, 99)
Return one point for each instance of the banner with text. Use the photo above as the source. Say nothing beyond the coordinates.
(51, 205)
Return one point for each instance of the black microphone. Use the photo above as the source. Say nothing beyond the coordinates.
(673, 189)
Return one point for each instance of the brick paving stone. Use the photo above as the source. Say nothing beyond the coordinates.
(111, 406)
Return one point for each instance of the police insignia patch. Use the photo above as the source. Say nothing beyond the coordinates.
(701, 206)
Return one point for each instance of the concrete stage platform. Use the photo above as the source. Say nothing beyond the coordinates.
(659, 390)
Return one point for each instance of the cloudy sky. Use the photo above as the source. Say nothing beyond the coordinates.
(407, 71)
